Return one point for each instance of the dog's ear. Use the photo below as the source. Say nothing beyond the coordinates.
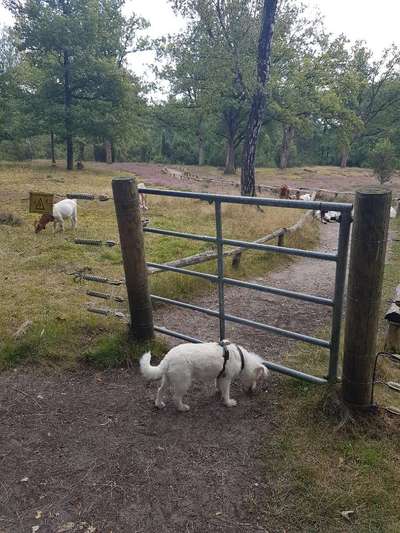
(261, 372)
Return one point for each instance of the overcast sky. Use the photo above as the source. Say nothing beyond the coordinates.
(376, 22)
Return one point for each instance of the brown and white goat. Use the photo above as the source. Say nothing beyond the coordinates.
(65, 209)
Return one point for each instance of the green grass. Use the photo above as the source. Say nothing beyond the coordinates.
(35, 284)
(321, 462)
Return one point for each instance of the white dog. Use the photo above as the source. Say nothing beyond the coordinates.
(209, 361)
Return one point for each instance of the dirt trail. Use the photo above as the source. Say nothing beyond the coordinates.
(88, 450)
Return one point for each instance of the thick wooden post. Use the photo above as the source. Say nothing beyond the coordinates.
(367, 261)
(126, 200)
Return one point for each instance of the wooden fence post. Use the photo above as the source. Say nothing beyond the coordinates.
(367, 261)
(126, 200)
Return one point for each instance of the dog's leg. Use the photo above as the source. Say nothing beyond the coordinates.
(225, 387)
(159, 402)
(180, 390)
(178, 397)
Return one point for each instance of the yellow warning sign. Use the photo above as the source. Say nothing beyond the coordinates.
(41, 202)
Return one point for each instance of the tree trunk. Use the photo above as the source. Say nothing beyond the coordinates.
(230, 167)
(201, 151)
(108, 150)
(288, 136)
(81, 155)
(344, 157)
(52, 153)
(67, 111)
(247, 179)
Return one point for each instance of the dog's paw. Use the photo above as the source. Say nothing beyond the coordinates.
(183, 408)
(160, 405)
(231, 403)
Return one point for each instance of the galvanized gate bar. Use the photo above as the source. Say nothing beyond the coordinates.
(245, 322)
(279, 331)
(245, 244)
(295, 373)
(185, 305)
(280, 292)
(176, 334)
(178, 270)
(340, 280)
(220, 267)
(251, 200)
(281, 249)
(172, 233)
(246, 285)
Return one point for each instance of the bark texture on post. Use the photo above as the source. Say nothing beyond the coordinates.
(247, 178)
(126, 200)
(367, 261)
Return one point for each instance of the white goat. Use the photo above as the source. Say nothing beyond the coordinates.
(306, 197)
(65, 209)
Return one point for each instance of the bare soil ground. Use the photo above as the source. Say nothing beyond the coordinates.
(88, 451)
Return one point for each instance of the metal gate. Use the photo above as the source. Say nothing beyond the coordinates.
(340, 258)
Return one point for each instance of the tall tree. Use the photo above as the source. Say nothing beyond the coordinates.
(80, 46)
(247, 178)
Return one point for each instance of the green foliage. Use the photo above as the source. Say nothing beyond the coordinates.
(383, 160)
(329, 101)
(73, 75)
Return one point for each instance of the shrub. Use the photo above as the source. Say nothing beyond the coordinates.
(383, 160)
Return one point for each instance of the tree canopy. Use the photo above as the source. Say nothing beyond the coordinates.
(65, 75)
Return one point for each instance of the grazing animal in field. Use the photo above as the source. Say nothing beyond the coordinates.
(142, 197)
(284, 192)
(212, 361)
(63, 210)
(328, 216)
(306, 197)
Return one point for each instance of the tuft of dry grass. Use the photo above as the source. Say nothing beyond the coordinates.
(9, 219)
(34, 280)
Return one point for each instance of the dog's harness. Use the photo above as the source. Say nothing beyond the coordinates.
(224, 345)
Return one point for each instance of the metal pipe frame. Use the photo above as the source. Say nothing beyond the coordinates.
(251, 200)
(245, 322)
(246, 285)
(220, 268)
(340, 276)
(340, 281)
(244, 244)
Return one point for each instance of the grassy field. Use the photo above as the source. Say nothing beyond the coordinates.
(326, 470)
(35, 284)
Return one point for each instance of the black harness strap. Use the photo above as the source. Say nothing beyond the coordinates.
(241, 357)
(224, 345)
(226, 357)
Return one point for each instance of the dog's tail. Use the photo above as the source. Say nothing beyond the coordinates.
(148, 371)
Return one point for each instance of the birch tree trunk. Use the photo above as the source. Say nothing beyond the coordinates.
(247, 178)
